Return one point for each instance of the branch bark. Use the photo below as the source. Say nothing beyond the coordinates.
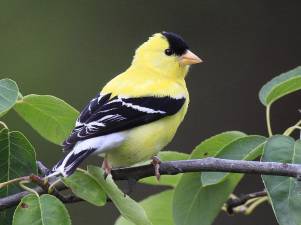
(182, 166)
(210, 165)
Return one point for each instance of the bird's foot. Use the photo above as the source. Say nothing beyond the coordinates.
(156, 163)
(106, 167)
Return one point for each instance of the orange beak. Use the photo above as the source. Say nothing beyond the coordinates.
(189, 58)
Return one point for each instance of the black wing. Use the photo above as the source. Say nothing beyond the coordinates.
(105, 115)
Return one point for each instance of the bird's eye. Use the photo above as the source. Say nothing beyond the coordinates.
(168, 52)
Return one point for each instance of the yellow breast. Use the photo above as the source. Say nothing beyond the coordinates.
(136, 82)
(145, 141)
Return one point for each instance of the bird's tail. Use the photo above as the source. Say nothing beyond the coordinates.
(69, 163)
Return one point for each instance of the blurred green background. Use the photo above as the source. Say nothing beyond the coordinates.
(70, 49)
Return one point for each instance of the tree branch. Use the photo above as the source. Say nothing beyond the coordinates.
(210, 165)
(176, 167)
(232, 203)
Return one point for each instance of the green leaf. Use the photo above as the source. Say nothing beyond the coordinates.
(197, 205)
(86, 187)
(51, 117)
(245, 148)
(43, 210)
(194, 204)
(280, 86)
(158, 208)
(283, 192)
(166, 180)
(128, 208)
(214, 144)
(17, 159)
(8, 95)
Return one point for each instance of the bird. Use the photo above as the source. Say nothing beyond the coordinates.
(137, 113)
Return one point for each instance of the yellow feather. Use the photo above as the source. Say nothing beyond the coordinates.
(152, 73)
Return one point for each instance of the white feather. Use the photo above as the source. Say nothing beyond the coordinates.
(102, 143)
(137, 107)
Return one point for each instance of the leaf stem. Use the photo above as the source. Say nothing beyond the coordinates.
(291, 129)
(82, 170)
(16, 180)
(3, 124)
(52, 186)
(20, 96)
(255, 204)
(240, 204)
(268, 119)
(22, 185)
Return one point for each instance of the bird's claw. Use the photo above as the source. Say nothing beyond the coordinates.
(156, 163)
(106, 167)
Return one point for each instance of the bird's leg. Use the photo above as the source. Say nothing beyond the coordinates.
(106, 166)
(156, 163)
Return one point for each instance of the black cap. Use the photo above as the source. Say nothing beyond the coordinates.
(176, 43)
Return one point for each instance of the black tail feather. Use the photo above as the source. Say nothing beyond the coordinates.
(70, 162)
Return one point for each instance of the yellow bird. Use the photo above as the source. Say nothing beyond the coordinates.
(138, 112)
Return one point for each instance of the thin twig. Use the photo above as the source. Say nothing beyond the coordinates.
(236, 202)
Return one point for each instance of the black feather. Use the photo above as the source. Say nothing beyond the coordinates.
(176, 43)
(73, 161)
(104, 116)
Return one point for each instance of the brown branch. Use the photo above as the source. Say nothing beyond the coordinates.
(182, 166)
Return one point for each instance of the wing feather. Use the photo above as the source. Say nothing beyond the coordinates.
(106, 115)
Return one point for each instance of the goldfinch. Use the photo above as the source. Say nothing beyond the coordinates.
(138, 112)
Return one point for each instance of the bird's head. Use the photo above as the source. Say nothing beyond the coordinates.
(166, 53)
